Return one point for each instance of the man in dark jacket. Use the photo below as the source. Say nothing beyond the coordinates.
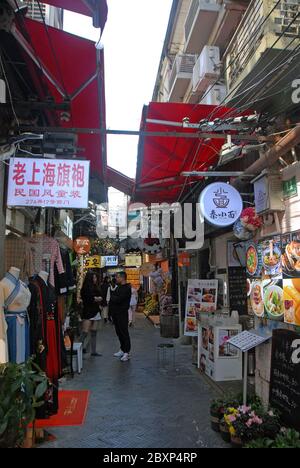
(119, 306)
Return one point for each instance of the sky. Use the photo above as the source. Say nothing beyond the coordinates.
(133, 40)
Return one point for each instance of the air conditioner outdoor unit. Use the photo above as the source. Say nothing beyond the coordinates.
(2, 92)
(207, 69)
(215, 96)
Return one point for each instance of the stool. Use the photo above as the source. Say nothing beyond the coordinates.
(164, 353)
(77, 357)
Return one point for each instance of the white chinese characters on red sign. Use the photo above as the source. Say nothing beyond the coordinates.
(49, 183)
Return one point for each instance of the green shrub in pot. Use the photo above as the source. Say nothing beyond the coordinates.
(22, 387)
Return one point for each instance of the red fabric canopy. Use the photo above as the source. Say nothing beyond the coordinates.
(73, 70)
(162, 159)
(119, 181)
(95, 8)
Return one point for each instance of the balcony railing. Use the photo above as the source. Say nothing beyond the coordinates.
(258, 26)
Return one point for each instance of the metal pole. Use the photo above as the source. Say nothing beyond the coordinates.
(245, 378)
(2, 219)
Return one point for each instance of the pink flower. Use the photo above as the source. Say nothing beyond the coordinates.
(231, 419)
(249, 423)
(244, 409)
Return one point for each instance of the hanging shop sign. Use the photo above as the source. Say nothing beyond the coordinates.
(93, 262)
(268, 193)
(48, 183)
(285, 376)
(133, 260)
(290, 188)
(82, 245)
(111, 261)
(221, 204)
(202, 297)
(184, 259)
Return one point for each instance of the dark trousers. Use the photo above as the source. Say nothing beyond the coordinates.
(121, 326)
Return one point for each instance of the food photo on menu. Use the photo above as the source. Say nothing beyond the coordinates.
(271, 257)
(291, 255)
(256, 298)
(191, 324)
(291, 296)
(253, 260)
(195, 295)
(273, 297)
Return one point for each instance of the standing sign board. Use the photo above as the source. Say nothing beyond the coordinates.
(48, 183)
(202, 297)
(285, 376)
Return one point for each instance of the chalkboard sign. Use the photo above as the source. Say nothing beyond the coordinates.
(237, 285)
(285, 376)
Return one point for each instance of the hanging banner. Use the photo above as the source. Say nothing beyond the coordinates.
(133, 260)
(202, 297)
(48, 183)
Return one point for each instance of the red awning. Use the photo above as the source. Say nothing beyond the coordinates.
(97, 9)
(119, 181)
(162, 159)
(73, 71)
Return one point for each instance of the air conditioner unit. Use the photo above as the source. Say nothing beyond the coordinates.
(215, 96)
(207, 69)
(2, 92)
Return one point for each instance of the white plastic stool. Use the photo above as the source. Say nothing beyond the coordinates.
(77, 357)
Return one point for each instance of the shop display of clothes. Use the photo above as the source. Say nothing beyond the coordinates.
(46, 255)
(18, 253)
(65, 282)
(14, 325)
(46, 339)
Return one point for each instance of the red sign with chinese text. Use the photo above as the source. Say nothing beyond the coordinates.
(52, 183)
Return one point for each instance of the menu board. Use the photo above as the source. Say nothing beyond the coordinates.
(291, 277)
(207, 351)
(285, 376)
(237, 284)
(202, 297)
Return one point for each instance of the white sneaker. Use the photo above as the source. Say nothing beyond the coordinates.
(119, 354)
(125, 357)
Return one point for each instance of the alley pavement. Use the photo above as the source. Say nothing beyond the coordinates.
(140, 404)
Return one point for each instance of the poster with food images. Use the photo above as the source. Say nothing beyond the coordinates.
(202, 296)
(273, 298)
(291, 255)
(253, 260)
(271, 257)
(291, 295)
(256, 298)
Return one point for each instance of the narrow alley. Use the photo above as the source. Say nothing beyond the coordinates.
(138, 404)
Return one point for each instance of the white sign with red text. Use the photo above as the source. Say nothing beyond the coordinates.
(48, 183)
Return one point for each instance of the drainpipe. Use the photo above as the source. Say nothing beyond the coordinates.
(271, 157)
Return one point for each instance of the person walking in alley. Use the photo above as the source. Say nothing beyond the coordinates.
(119, 306)
(91, 298)
(104, 305)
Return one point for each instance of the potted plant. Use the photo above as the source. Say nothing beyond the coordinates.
(218, 408)
(22, 387)
(287, 438)
(228, 431)
(253, 424)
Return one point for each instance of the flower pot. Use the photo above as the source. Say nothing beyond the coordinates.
(236, 442)
(215, 421)
(225, 434)
(29, 441)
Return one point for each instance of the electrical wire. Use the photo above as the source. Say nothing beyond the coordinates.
(9, 91)
(261, 72)
(242, 50)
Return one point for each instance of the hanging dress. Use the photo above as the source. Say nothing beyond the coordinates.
(18, 335)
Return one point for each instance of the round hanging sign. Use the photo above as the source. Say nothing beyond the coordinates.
(221, 204)
(82, 245)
